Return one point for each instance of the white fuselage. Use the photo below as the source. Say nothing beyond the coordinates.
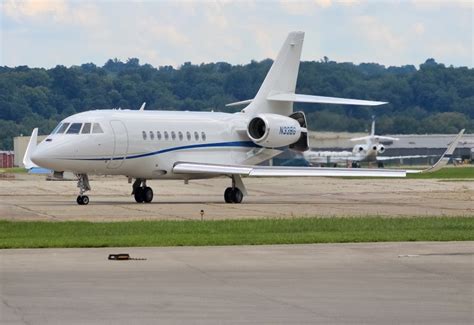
(360, 153)
(147, 144)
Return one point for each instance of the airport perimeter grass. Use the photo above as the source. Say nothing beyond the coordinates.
(35, 234)
(447, 173)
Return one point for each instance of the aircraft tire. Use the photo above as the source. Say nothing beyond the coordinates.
(139, 197)
(147, 194)
(82, 200)
(237, 195)
(228, 195)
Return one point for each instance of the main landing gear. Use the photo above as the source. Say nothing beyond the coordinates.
(83, 184)
(236, 193)
(141, 192)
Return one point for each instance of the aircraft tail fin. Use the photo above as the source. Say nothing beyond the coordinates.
(30, 149)
(280, 79)
(372, 129)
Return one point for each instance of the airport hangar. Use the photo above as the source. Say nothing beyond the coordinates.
(413, 144)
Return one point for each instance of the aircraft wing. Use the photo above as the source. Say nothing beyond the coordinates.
(386, 158)
(277, 171)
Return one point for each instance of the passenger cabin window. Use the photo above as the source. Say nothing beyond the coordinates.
(144, 135)
(203, 136)
(158, 135)
(96, 128)
(63, 128)
(74, 128)
(86, 129)
(173, 135)
(196, 136)
(166, 135)
(180, 136)
(188, 136)
(152, 135)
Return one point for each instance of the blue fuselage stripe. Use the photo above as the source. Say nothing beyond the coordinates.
(245, 144)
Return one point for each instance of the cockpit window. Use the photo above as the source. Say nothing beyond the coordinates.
(96, 128)
(56, 128)
(86, 129)
(62, 128)
(74, 128)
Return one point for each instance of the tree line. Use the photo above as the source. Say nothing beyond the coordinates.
(431, 99)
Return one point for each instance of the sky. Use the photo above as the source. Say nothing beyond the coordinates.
(46, 33)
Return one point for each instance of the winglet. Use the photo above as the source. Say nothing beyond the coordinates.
(443, 161)
(30, 149)
(142, 108)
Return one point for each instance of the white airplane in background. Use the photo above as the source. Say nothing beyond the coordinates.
(365, 152)
(144, 145)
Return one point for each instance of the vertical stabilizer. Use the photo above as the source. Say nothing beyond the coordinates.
(372, 130)
(281, 79)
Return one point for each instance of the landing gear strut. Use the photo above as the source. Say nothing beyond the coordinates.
(234, 194)
(141, 192)
(83, 184)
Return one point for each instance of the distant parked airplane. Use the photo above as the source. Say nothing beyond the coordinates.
(144, 145)
(365, 152)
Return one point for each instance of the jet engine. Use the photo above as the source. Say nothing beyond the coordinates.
(273, 131)
(380, 148)
(360, 148)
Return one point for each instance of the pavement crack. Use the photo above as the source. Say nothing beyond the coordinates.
(16, 310)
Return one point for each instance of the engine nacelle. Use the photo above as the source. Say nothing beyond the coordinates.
(273, 131)
(360, 148)
(380, 148)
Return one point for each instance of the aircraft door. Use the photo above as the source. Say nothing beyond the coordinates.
(120, 144)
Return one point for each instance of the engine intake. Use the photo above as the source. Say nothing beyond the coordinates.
(380, 148)
(273, 131)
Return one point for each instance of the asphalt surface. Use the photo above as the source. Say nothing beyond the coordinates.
(388, 283)
(28, 197)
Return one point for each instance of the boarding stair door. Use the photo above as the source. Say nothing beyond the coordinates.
(120, 145)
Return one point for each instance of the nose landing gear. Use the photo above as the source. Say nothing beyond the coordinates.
(83, 184)
(141, 192)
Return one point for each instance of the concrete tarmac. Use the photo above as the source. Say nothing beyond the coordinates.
(29, 197)
(380, 283)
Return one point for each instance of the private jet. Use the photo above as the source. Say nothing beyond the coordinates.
(368, 152)
(144, 145)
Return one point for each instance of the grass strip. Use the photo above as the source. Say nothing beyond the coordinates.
(14, 170)
(447, 173)
(37, 234)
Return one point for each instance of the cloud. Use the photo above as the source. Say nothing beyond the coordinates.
(379, 34)
(306, 7)
(58, 11)
(167, 33)
(419, 28)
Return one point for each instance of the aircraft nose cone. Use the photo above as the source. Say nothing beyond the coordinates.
(40, 158)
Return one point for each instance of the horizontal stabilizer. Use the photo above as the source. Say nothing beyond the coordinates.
(297, 98)
(243, 102)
